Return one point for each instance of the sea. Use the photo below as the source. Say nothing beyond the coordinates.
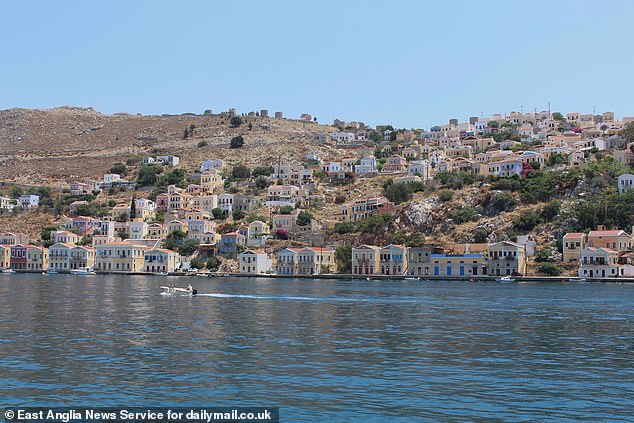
(322, 350)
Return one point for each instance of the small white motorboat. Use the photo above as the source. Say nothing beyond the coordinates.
(507, 278)
(7, 270)
(577, 280)
(83, 271)
(179, 291)
(51, 271)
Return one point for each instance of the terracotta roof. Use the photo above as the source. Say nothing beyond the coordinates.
(607, 233)
(574, 235)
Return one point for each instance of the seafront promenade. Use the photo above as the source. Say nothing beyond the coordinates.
(341, 276)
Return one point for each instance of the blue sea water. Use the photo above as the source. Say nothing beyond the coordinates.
(322, 350)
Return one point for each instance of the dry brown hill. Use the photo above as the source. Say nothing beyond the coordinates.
(54, 145)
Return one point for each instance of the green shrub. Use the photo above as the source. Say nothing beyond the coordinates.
(445, 195)
(550, 269)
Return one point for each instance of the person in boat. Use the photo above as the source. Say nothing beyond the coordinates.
(171, 286)
(189, 288)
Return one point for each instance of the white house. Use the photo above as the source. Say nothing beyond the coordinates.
(420, 167)
(345, 137)
(28, 200)
(367, 165)
(145, 203)
(625, 182)
(255, 261)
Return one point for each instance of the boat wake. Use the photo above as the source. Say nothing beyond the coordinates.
(284, 297)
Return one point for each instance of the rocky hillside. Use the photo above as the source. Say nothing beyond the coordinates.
(51, 146)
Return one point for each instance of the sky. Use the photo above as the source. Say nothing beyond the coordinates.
(405, 63)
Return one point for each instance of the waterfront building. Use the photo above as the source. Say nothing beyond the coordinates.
(18, 257)
(287, 261)
(65, 237)
(393, 260)
(365, 260)
(419, 261)
(5, 256)
(160, 260)
(124, 256)
(255, 262)
(506, 258)
(458, 264)
(573, 244)
(618, 240)
(11, 238)
(315, 261)
(82, 256)
(36, 258)
(59, 256)
(598, 262)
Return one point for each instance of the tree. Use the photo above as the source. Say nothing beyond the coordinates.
(628, 132)
(286, 209)
(281, 234)
(558, 116)
(556, 158)
(118, 168)
(148, 175)
(133, 206)
(480, 236)
(343, 258)
(202, 144)
(261, 182)
(527, 220)
(502, 201)
(240, 171)
(551, 210)
(304, 218)
(15, 192)
(397, 193)
(213, 263)
(542, 256)
(550, 269)
(197, 263)
(237, 142)
(445, 195)
(188, 247)
(217, 212)
(175, 177)
(236, 121)
(46, 235)
(238, 214)
(262, 171)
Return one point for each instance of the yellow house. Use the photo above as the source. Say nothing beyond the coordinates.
(36, 258)
(122, 256)
(573, 243)
(82, 256)
(59, 256)
(5, 256)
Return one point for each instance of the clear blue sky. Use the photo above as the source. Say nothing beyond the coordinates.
(409, 63)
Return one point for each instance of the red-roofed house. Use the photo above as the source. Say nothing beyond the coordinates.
(618, 240)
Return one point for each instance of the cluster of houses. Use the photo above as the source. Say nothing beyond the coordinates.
(602, 253)
(24, 202)
(129, 238)
(470, 146)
